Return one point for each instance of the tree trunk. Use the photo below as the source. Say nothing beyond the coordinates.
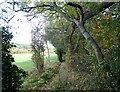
(60, 55)
(88, 37)
(48, 51)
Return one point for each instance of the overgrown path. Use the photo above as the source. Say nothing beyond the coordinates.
(54, 67)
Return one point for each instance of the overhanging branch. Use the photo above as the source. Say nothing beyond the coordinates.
(80, 8)
(100, 7)
(61, 12)
(28, 9)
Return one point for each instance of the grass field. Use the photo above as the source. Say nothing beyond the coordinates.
(24, 60)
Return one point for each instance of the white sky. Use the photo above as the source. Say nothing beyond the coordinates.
(21, 29)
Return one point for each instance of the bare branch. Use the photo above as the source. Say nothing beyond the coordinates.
(85, 16)
(31, 18)
(4, 20)
(3, 2)
(28, 9)
(9, 19)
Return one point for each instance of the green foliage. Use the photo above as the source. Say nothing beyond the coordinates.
(105, 25)
(11, 75)
(36, 81)
(55, 85)
(56, 33)
(37, 46)
(25, 62)
(109, 72)
(38, 61)
(105, 30)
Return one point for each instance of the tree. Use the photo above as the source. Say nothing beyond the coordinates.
(48, 51)
(11, 74)
(79, 17)
(79, 21)
(105, 26)
(38, 49)
(99, 24)
(56, 34)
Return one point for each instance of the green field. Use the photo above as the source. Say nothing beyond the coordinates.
(24, 60)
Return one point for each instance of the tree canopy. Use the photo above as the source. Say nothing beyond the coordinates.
(87, 41)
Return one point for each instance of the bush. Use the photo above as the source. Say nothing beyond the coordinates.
(11, 75)
(37, 81)
(107, 73)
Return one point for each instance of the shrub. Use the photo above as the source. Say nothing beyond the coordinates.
(11, 75)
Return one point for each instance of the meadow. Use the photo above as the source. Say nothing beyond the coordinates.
(24, 61)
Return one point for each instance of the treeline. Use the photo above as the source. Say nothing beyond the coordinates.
(26, 48)
(21, 48)
(20, 51)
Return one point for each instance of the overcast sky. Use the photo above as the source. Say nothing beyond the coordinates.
(21, 29)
